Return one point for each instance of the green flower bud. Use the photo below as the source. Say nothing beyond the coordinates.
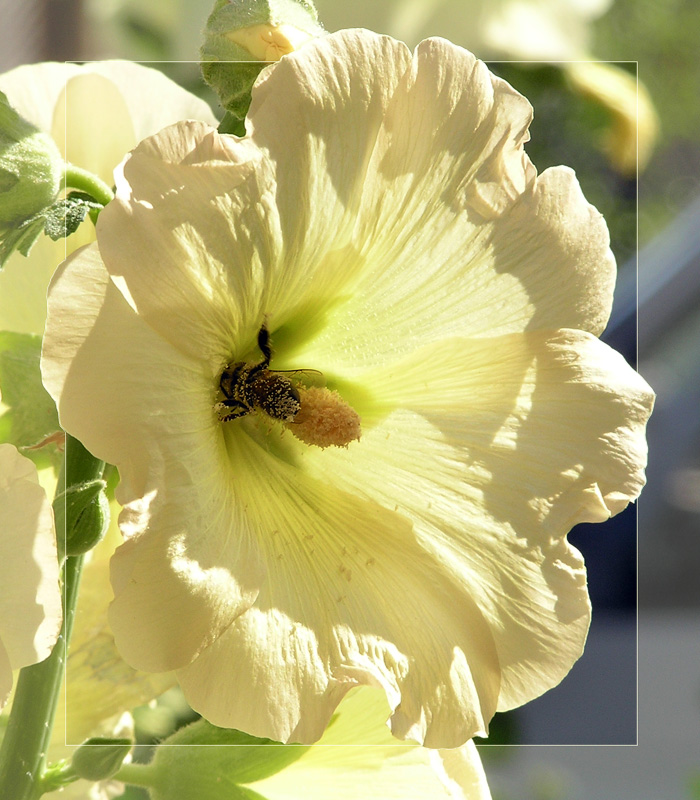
(215, 772)
(31, 168)
(84, 511)
(241, 36)
(98, 759)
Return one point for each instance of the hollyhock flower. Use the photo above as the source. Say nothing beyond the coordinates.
(30, 598)
(95, 114)
(382, 222)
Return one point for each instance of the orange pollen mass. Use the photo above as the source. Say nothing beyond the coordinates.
(324, 419)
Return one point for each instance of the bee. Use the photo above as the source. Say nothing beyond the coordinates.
(255, 387)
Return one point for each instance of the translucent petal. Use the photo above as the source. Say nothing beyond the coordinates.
(30, 599)
(342, 575)
(494, 449)
(405, 195)
(96, 113)
(33, 89)
(358, 757)
(197, 568)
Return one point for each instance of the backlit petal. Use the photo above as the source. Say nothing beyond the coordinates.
(358, 757)
(342, 573)
(197, 552)
(30, 599)
(96, 113)
(494, 449)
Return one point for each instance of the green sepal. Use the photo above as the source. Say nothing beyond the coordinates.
(31, 415)
(57, 776)
(82, 510)
(231, 124)
(98, 759)
(216, 771)
(233, 83)
(65, 215)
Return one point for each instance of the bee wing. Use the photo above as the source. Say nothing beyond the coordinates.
(312, 376)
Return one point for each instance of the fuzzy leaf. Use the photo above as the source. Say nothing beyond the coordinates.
(65, 215)
(31, 415)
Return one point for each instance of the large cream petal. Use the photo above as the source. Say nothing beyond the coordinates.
(199, 208)
(494, 449)
(358, 757)
(344, 577)
(545, 264)
(403, 209)
(452, 234)
(30, 598)
(197, 567)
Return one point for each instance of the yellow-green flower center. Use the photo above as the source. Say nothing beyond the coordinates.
(316, 416)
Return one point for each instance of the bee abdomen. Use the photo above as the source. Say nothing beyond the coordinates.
(273, 394)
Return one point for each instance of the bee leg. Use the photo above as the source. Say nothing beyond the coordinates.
(264, 344)
(230, 409)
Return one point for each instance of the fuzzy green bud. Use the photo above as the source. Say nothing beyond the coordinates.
(31, 167)
(242, 36)
(98, 759)
(84, 511)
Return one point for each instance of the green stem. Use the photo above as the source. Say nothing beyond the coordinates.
(77, 178)
(137, 775)
(26, 740)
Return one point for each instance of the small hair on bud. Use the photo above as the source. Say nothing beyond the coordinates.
(324, 419)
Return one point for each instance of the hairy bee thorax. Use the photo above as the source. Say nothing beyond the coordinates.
(253, 387)
(316, 416)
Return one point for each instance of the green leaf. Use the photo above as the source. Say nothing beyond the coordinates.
(65, 215)
(31, 414)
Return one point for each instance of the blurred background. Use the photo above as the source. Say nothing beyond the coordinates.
(634, 697)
